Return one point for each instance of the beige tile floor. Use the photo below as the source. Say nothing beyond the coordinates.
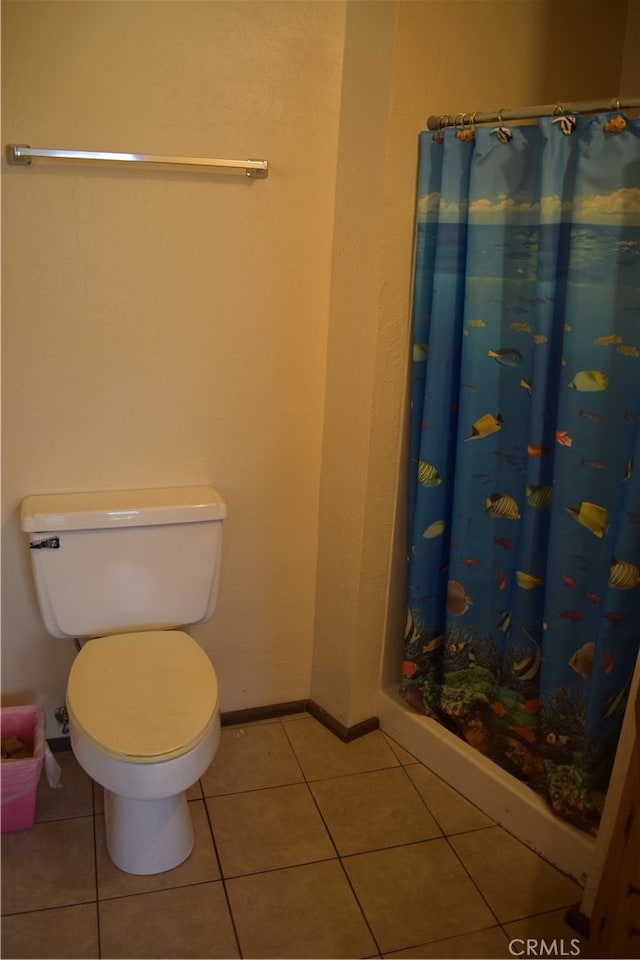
(305, 847)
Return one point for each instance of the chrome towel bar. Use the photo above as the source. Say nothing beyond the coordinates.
(21, 154)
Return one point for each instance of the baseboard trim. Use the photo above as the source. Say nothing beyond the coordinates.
(252, 714)
(268, 712)
(346, 734)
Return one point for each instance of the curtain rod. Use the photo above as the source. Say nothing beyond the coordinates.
(527, 113)
(20, 154)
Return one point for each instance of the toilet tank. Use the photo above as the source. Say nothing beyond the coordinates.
(124, 560)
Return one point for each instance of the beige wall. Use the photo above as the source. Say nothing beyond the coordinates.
(166, 328)
(169, 328)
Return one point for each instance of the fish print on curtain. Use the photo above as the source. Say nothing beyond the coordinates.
(524, 504)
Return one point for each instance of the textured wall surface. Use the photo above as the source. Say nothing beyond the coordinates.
(167, 328)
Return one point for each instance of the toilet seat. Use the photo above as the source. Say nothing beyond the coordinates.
(143, 697)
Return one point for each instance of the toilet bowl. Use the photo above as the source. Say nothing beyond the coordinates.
(144, 720)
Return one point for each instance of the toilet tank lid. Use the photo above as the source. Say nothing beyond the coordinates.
(104, 509)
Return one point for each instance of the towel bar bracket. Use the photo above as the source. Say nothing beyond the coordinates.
(258, 173)
(16, 157)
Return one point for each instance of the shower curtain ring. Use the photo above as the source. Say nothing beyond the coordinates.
(500, 120)
(444, 120)
(467, 128)
(558, 109)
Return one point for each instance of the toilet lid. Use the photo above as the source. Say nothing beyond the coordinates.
(143, 696)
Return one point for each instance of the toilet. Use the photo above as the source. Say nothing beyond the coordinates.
(121, 572)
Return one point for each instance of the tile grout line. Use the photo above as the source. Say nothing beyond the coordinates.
(450, 833)
(292, 748)
(431, 943)
(424, 802)
(95, 867)
(223, 879)
(464, 867)
(445, 833)
(334, 845)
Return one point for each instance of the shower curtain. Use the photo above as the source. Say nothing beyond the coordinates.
(524, 504)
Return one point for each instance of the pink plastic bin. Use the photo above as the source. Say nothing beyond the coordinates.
(19, 778)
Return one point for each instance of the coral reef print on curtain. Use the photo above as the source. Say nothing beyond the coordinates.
(524, 553)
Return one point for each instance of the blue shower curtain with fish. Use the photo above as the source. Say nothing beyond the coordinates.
(524, 503)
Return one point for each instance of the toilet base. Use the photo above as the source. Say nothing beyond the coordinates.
(147, 836)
